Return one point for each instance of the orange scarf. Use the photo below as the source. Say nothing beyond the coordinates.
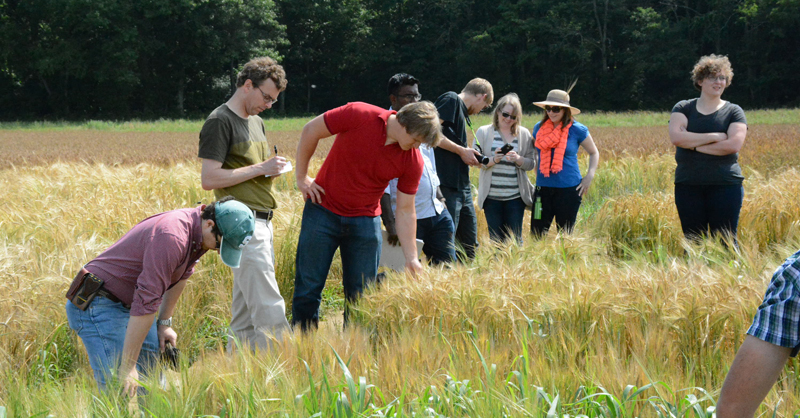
(549, 137)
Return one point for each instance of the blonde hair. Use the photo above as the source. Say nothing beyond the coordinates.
(478, 86)
(509, 99)
(709, 65)
(421, 119)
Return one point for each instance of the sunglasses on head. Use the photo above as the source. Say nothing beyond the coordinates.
(507, 115)
(554, 109)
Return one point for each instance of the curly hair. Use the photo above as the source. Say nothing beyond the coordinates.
(710, 65)
(259, 70)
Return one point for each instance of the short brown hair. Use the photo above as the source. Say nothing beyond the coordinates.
(421, 119)
(478, 86)
(509, 99)
(710, 65)
(259, 70)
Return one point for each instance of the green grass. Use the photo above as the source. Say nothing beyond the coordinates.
(591, 119)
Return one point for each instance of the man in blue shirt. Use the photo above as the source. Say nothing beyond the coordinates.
(434, 224)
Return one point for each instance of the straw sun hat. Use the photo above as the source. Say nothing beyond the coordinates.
(558, 98)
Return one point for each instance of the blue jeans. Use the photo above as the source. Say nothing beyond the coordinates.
(504, 217)
(102, 328)
(321, 233)
(462, 211)
(704, 209)
(437, 234)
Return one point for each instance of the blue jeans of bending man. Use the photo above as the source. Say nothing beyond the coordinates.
(462, 211)
(358, 239)
(102, 328)
(437, 234)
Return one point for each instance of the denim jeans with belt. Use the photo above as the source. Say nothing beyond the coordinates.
(358, 239)
(102, 327)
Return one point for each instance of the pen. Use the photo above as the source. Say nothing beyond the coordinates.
(275, 147)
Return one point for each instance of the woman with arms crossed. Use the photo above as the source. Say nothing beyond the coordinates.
(708, 133)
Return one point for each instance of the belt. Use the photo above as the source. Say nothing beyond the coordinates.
(108, 295)
(267, 216)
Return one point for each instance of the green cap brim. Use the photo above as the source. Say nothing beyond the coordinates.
(230, 256)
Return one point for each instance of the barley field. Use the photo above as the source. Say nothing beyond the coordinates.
(623, 318)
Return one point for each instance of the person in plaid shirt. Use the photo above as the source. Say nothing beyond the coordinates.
(771, 340)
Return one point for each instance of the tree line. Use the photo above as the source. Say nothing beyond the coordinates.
(120, 59)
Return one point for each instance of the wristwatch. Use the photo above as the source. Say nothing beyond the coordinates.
(166, 322)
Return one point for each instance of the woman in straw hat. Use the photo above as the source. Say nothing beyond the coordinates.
(708, 133)
(504, 190)
(559, 185)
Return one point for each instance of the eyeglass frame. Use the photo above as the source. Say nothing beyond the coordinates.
(409, 96)
(267, 98)
(718, 77)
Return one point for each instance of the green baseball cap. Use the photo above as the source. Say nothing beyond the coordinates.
(236, 224)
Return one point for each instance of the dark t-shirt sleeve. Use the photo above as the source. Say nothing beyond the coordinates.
(447, 106)
(215, 140)
(682, 106)
(737, 115)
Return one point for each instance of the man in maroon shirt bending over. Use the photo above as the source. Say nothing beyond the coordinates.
(372, 147)
(142, 275)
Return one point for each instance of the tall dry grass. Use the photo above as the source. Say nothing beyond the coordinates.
(569, 324)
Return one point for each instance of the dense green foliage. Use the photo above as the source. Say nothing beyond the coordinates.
(79, 59)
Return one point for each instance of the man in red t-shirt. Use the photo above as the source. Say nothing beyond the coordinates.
(372, 146)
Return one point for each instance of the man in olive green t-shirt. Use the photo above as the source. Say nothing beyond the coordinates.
(234, 151)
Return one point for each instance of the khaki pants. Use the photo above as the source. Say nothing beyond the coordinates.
(258, 311)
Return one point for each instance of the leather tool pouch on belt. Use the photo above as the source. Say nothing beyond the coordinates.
(83, 289)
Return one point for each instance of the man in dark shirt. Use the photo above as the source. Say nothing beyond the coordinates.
(454, 156)
(143, 275)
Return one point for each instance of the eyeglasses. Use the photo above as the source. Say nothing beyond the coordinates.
(554, 109)
(416, 97)
(717, 78)
(267, 98)
(506, 115)
(216, 238)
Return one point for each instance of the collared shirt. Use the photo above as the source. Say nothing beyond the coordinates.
(360, 164)
(152, 257)
(425, 201)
